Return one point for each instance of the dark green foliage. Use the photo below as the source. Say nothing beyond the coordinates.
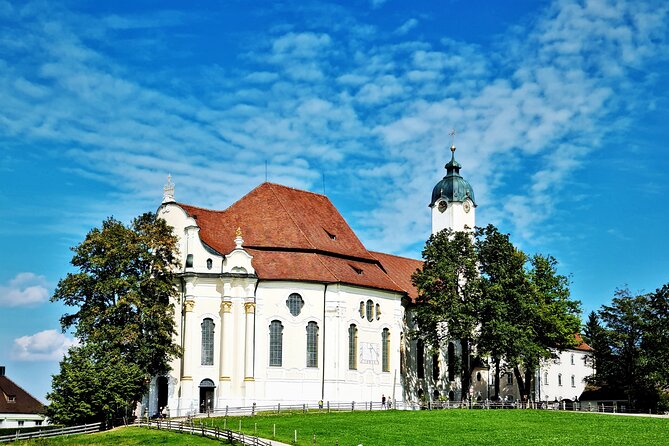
(632, 347)
(481, 289)
(94, 385)
(448, 305)
(121, 296)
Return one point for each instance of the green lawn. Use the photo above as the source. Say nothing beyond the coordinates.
(457, 427)
(126, 436)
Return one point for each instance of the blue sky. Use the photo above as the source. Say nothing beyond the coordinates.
(561, 109)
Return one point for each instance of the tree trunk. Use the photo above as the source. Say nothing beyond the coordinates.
(497, 373)
(520, 381)
(466, 369)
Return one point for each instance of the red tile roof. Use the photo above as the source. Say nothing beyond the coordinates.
(23, 401)
(299, 235)
(581, 345)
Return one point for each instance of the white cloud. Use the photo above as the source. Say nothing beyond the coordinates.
(406, 27)
(342, 102)
(47, 345)
(25, 289)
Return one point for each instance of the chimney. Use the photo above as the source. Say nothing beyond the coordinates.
(2, 370)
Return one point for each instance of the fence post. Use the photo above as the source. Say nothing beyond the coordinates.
(352, 405)
(278, 408)
(304, 408)
(253, 409)
(226, 410)
(274, 431)
(295, 437)
(328, 406)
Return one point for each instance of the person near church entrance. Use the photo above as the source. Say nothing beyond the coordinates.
(383, 401)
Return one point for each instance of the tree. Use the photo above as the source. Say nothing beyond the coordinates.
(656, 345)
(505, 291)
(121, 295)
(94, 385)
(449, 294)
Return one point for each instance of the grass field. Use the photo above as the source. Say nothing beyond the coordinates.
(457, 427)
(127, 436)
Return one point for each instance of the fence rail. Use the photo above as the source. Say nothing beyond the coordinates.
(226, 435)
(46, 433)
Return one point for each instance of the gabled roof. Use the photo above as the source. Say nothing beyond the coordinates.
(23, 402)
(298, 235)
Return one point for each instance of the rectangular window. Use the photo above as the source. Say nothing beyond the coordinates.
(312, 344)
(38, 423)
(207, 342)
(353, 347)
(275, 344)
(509, 379)
(21, 422)
(385, 350)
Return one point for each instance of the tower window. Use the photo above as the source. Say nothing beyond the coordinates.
(573, 381)
(210, 263)
(189, 261)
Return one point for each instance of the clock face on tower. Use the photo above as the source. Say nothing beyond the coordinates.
(466, 206)
(442, 206)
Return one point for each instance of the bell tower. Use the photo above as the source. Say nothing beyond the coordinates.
(453, 205)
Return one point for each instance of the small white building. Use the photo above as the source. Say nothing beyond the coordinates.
(18, 408)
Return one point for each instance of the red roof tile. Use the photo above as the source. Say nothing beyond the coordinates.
(23, 401)
(400, 270)
(581, 345)
(298, 235)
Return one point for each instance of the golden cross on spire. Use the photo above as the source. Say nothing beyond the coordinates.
(452, 134)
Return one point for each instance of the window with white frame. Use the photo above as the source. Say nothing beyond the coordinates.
(370, 310)
(295, 304)
(545, 378)
(559, 379)
(312, 344)
(275, 343)
(207, 357)
(385, 350)
(573, 381)
(352, 347)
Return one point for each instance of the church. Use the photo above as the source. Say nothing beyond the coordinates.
(280, 302)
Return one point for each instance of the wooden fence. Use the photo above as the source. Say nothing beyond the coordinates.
(225, 435)
(46, 433)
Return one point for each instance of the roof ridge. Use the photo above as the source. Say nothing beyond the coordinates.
(22, 389)
(394, 255)
(296, 189)
(199, 207)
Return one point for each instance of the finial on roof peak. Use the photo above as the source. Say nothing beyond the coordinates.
(238, 238)
(168, 190)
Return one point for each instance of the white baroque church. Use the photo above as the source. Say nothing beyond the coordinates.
(280, 302)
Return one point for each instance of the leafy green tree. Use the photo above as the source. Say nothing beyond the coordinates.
(121, 296)
(656, 346)
(449, 294)
(549, 320)
(94, 385)
(505, 292)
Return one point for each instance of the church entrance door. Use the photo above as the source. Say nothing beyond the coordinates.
(207, 395)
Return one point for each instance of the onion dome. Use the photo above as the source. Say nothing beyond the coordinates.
(452, 187)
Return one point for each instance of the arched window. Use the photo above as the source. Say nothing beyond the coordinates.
(370, 310)
(378, 312)
(420, 359)
(435, 366)
(545, 378)
(353, 347)
(362, 310)
(572, 359)
(210, 263)
(509, 378)
(312, 344)
(451, 361)
(295, 304)
(275, 343)
(573, 381)
(189, 261)
(559, 379)
(207, 342)
(478, 376)
(385, 350)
